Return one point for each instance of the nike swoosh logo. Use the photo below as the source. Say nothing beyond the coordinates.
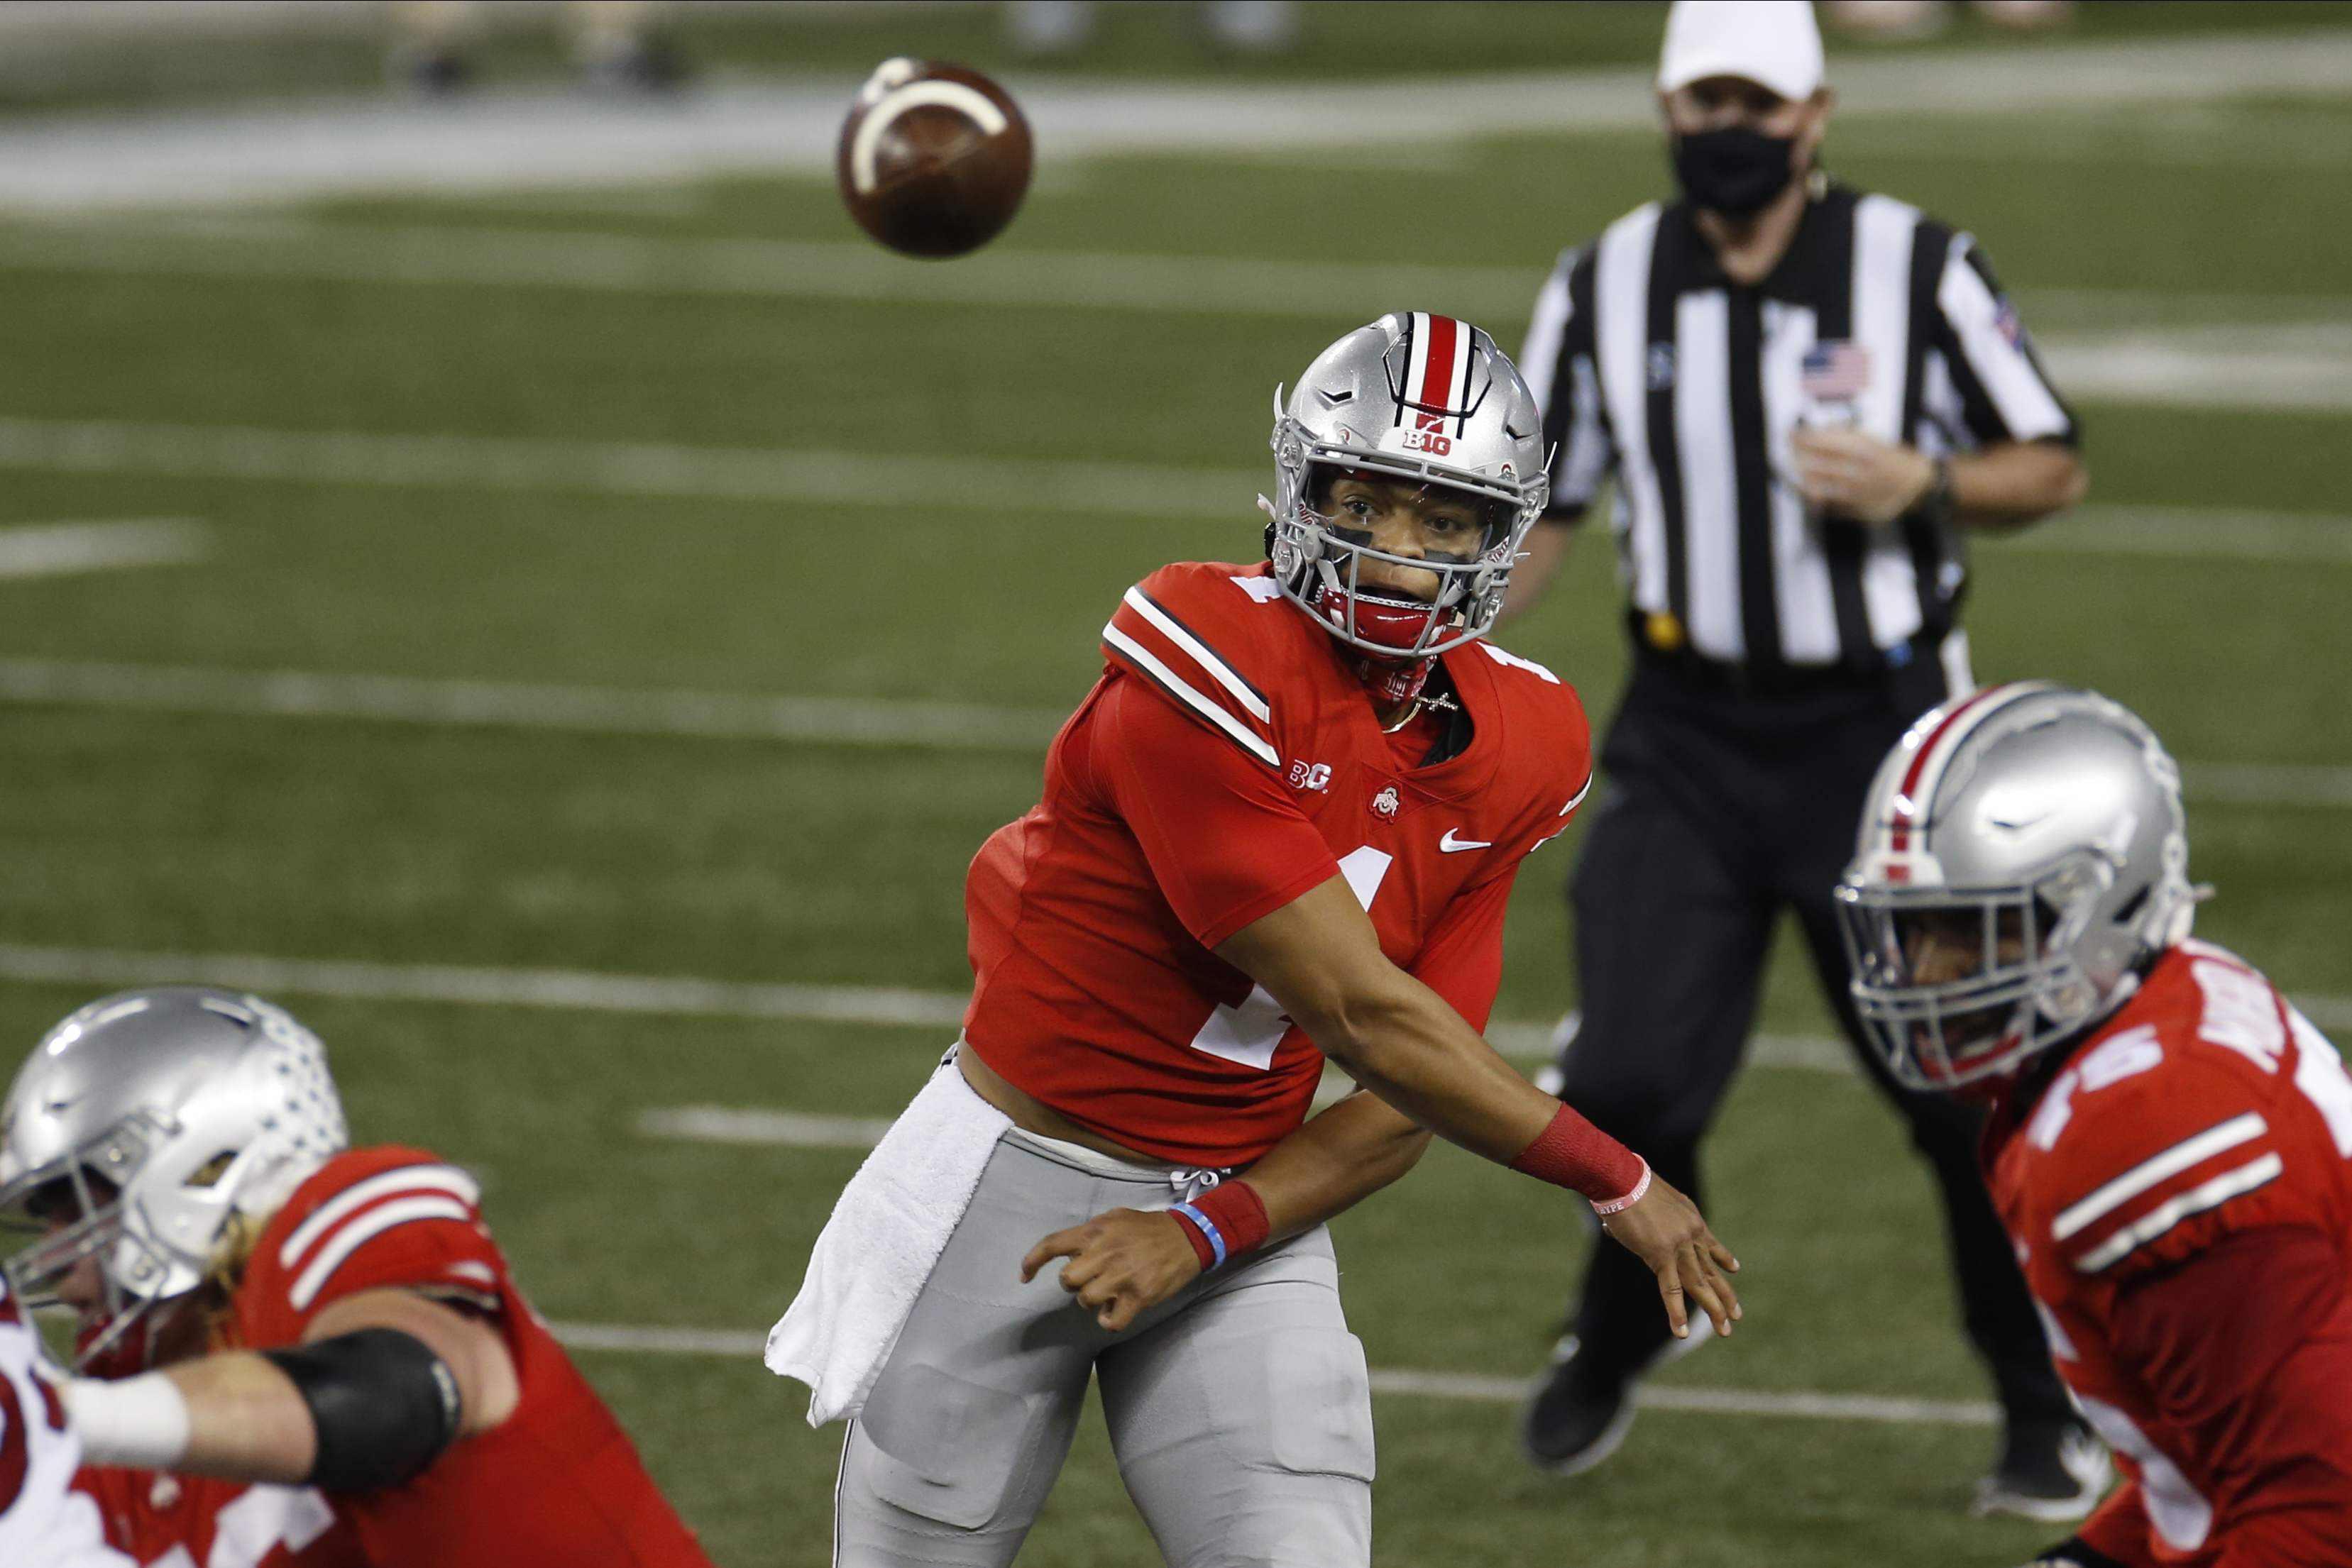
(1451, 845)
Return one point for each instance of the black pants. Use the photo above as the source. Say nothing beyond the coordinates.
(1722, 807)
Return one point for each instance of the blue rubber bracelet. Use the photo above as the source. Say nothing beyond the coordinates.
(1208, 1228)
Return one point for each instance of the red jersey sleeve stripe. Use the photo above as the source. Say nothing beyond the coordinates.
(1145, 663)
(2159, 1169)
(1253, 701)
(366, 1228)
(358, 1195)
(2195, 1201)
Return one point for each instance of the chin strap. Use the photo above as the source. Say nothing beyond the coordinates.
(1393, 684)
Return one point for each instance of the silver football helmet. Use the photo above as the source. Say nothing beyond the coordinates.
(1416, 397)
(2021, 858)
(141, 1124)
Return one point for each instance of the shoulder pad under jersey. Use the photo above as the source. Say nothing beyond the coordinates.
(370, 1218)
(2196, 1111)
(1205, 635)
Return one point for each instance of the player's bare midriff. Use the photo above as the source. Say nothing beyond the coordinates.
(1032, 1114)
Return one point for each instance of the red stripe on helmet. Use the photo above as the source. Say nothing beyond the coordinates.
(1903, 822)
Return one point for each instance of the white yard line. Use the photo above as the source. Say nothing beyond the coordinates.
(731, 715)
(65, 549)
(2298, 367)
(2295, 365)
(359, 146)
(772, 1129)
(1011, 486)
(660, 1340)
(624, 468)
(795, 269)
(675, 995)
(2188, 533)
(514, 705)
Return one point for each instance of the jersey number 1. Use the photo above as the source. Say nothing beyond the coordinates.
(1249, 1033)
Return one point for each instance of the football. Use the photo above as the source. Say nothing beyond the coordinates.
(934, 159)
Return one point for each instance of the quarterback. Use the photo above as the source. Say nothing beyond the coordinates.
(1281, 828)
(295, 1352)
(2169, 1142)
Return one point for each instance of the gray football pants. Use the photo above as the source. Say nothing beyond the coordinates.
(1239, 1408)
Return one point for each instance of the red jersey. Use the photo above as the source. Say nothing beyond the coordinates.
(1227, 761)
(557, 1482)
(2191, 1166)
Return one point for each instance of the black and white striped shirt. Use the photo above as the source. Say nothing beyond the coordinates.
(1650, 362)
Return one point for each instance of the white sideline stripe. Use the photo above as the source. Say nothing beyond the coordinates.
(663, 1341)
(2160, 1168)
(366, 1228)
(675, 995)
(1224, 675)
(60, 549)
(1185, 692)
(419, 1178)
(2186, 533)
(624, 468)
(2211, 1195)
(719, 715)
(684, 997)
(780, 1129)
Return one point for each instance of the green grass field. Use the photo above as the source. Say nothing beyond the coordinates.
(758, 861)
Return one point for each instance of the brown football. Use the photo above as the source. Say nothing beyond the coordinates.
(934, 159)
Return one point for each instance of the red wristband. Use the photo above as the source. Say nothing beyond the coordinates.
(1224, 1223)
(1572, 1153)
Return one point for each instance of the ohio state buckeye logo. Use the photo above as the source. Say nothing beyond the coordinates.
(1384, 804)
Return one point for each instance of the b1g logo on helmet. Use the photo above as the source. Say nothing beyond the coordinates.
(1427, 435)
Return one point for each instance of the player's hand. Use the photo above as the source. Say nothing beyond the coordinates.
(1852, 475)
(1120, 1262)
(1666, 1231)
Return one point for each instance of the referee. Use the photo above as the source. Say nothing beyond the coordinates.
(1806, 396)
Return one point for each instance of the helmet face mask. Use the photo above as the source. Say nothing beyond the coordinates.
(2022, 859)
(1428, 403)
(138, 1129)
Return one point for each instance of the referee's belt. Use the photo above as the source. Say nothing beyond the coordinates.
(1661, 640)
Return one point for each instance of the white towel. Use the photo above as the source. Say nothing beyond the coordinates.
(888, 1230)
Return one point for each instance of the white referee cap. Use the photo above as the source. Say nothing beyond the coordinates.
(1773, 43)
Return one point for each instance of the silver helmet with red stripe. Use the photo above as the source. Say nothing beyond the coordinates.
(139, 1128)
(1431, 402)
(2022, 858)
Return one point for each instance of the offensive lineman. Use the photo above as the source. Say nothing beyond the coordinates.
(1282, 826)
(2169, 1142)
(316, 1316)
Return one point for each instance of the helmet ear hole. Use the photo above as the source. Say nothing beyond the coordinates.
(2132, 907)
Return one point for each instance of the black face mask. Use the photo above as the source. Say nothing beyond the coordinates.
(1734, 170)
